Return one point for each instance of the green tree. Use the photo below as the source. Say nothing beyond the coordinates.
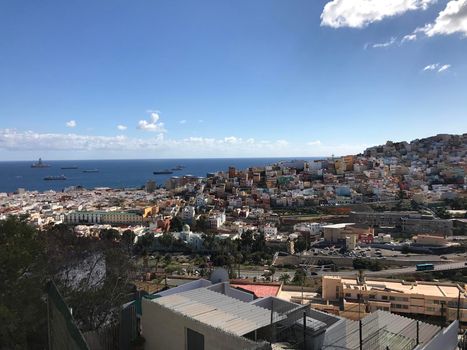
(284, 277)
(259, 243)
(109, 234)
(247, 240)
(166, 240)
(176, 224)
(299, 277)
(300, 244)
(144, 243)
(367, 264)
(201, 223)
(22, 278)
(128, 238)
(405, 249)
(167, 259)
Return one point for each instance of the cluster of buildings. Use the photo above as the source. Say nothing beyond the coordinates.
(233, 201)
(424, 170)
(218, 314)
(354, 297)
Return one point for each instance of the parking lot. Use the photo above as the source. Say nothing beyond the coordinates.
(358, 252)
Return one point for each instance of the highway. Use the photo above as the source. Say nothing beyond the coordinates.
(399, 271)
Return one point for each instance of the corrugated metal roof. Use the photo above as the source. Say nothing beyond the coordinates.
(219, 310)
(380, 327)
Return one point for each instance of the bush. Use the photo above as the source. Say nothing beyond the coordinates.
(367, 264)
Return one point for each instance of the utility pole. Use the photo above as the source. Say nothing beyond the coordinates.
(360, 325)
(272, 320)
(360, 333)
(304, 330)
(459, 305)
(418, 332)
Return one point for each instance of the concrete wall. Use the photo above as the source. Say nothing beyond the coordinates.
(224, 288)
(185, 287)
(165, 329)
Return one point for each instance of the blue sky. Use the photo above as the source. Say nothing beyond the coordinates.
(217, 78)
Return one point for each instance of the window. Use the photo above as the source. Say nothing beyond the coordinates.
(384, 297)
(348, 295)
(194, 340)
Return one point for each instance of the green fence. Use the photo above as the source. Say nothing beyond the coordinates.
(63, 332)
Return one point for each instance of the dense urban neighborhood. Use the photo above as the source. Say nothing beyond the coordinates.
(298, 249)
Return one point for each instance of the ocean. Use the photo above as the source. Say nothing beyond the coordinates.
(114, 173)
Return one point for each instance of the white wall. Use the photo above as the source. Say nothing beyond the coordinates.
(164, 329)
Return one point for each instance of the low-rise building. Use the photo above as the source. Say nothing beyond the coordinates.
(418, 298)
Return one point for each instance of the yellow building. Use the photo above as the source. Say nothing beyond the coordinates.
(423, 298)
(349, 161)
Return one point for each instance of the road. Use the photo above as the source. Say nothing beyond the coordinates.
(400, 271)
(257, 274)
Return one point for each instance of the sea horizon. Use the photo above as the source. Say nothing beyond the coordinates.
(117, 173)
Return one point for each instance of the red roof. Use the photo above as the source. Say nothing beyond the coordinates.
(259, 290)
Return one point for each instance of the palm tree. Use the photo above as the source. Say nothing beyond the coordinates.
(285, 278)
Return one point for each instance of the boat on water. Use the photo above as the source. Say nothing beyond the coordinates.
(163, 172)
(90, 170)
(39, 164)
(178, 167)
(59, 177)
(68, 167)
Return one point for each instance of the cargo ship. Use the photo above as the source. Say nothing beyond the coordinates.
(60, 177)
(90, 170)
(178, 167)
(163, 172)
(39, 164)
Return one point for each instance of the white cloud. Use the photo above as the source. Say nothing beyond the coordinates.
(153, 124)
(453, 19)
(361, 13)
(183, 121)
(433, 66)
(232, 139)
(437, 67)
(158, 146)
(314, 143)
(71, 124)
(409, 37)
(13, 140)
(390, 42)
(122, 127)
(444, 67)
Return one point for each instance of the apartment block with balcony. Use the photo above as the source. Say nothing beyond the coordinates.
(422, 298)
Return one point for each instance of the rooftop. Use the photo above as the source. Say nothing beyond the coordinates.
(260, 291)
(219, 310)
(381, 330)
(415, 288)
(343, 225)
